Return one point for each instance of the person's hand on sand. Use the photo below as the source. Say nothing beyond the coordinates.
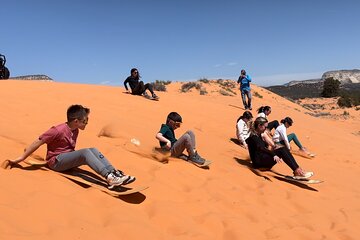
(8, 164)
(277, 159)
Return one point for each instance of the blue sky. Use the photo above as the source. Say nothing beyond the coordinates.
(98, 42)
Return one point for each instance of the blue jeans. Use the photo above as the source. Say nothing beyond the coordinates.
(246, 93)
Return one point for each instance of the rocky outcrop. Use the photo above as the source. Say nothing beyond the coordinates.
(34, 77)
(344, 76)
(310, 81)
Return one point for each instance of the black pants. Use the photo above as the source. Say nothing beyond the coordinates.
(267, 160)
(273, 125)
(141, 88)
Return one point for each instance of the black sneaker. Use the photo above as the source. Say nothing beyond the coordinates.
(154, 96)
(196, 159)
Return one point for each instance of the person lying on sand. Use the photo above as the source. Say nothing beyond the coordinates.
(281, 138)
(167, 140)
(138, 87)
(262, 157)
(61, 154)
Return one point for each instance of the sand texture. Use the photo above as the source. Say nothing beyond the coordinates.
(227, 201)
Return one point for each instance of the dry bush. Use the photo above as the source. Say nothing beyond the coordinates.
(189, 85)
(160, 85)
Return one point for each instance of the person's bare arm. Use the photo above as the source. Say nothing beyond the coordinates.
(28, 151)
(161, 138)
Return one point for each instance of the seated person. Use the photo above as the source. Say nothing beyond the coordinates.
(281, 137)
(243, 128)
(262, 157)
(167, 140)
(264, 112)
(138, 87)
(61, 154)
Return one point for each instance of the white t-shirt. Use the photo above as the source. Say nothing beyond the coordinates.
(281, 135)
(263, 115)
(242, 131)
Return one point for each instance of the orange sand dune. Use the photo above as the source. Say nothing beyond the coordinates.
(228, 201)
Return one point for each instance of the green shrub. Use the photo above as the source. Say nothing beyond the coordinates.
(344, 101)
(331, 88)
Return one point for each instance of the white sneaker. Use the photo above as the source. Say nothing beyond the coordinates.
(129, 179)
(114, 180)
(306, 175)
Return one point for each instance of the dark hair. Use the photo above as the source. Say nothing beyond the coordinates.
(263, 109)
(287, 120)
(243, 71)
(259, 121)
(174, 116)
(246, 115)
(133, 70)
(77, 112)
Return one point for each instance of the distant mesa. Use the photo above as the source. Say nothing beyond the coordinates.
(349, 79)
(34, 77)
(344, 76)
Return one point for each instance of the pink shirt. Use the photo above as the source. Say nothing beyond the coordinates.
(59, 139)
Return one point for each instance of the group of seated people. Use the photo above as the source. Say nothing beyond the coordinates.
(266, 149)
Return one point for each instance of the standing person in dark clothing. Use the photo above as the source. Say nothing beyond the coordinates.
(244, 81)
(262, 157)
(138, 87)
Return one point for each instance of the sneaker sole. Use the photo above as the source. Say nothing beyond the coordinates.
(129, 180)
(126, 181)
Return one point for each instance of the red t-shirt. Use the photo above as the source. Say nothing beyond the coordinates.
(59, 139)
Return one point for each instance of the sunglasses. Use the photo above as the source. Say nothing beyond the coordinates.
(178, 124)
(84, 121)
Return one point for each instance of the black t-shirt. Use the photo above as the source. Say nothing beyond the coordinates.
(133, 82)
(168, 133)
(258, 149)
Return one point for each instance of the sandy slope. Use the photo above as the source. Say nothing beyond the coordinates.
(228, 201)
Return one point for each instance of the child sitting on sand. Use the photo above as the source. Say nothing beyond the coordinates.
(281, 138)
(61, 154)
(167, 140)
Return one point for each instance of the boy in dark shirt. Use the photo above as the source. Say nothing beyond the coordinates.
(166, 137)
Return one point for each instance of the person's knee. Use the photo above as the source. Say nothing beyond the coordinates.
(190, 132)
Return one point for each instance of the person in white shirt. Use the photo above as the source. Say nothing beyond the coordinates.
(264, 112)
(243, 128)
(281, 138)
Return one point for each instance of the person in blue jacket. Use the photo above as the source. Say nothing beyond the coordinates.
(244, 81)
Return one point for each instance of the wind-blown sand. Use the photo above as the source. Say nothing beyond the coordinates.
(228, 201)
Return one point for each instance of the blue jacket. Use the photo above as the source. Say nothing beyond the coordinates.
(244, 82)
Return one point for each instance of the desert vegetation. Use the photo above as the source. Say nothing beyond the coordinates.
(160, 85)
